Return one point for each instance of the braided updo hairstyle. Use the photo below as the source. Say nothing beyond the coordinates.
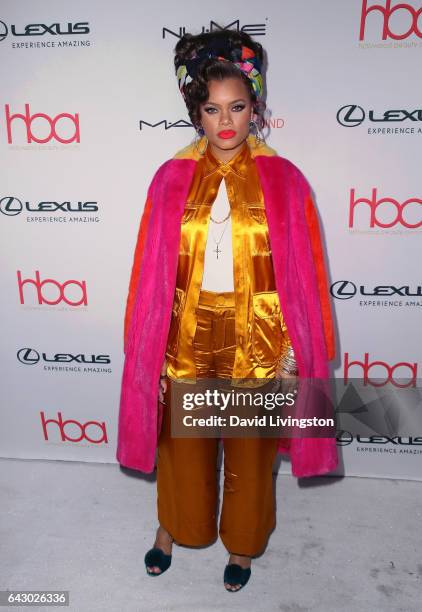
(196, 92)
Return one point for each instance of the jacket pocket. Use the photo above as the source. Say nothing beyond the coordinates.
(266, 335)
(257, 213)
(189, 213)
(174, 331)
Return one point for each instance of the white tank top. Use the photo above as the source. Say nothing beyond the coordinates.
(218, 267)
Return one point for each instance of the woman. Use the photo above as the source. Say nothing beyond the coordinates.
(229, 197)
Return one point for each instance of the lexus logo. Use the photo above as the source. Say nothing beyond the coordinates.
(28, 356)
(10, 206)
(351, 115)
(344, 438)
(343, 290)
(3, 30)
(39, 29)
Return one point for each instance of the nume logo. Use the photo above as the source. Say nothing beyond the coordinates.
(36, 288)
(55, 131)
(253, 29)
(400, 210)
(385, 10)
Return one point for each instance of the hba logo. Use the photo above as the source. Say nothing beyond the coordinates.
(387, 9)
(401, 211)
(97, 431)
(54, 130)
(389, 374)
(62, 289)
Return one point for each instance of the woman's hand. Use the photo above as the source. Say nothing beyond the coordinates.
(287, 382)
(162, 386)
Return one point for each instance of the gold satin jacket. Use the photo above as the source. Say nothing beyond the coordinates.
(261, 333)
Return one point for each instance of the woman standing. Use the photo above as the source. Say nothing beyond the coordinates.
(215, 279)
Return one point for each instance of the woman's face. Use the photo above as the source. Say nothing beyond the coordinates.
(225, 116)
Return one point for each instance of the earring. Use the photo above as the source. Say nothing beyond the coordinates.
(258, 138)
(199, 135)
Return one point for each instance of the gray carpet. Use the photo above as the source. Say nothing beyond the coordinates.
(351, 544)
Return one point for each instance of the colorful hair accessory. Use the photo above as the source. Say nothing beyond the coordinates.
(247, 63)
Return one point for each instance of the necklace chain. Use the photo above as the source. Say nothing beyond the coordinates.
(217, 250)
(222, 220)
(221, 237)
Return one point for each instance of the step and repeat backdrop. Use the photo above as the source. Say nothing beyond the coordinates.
(89, 107)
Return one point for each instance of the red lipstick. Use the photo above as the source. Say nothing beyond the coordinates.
(226, 134)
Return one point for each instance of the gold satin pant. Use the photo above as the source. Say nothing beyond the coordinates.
(187, 487)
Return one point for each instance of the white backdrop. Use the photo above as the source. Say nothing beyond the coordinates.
(100, 73)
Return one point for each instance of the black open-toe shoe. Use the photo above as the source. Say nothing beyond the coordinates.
(234, 574)
(157, 557)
